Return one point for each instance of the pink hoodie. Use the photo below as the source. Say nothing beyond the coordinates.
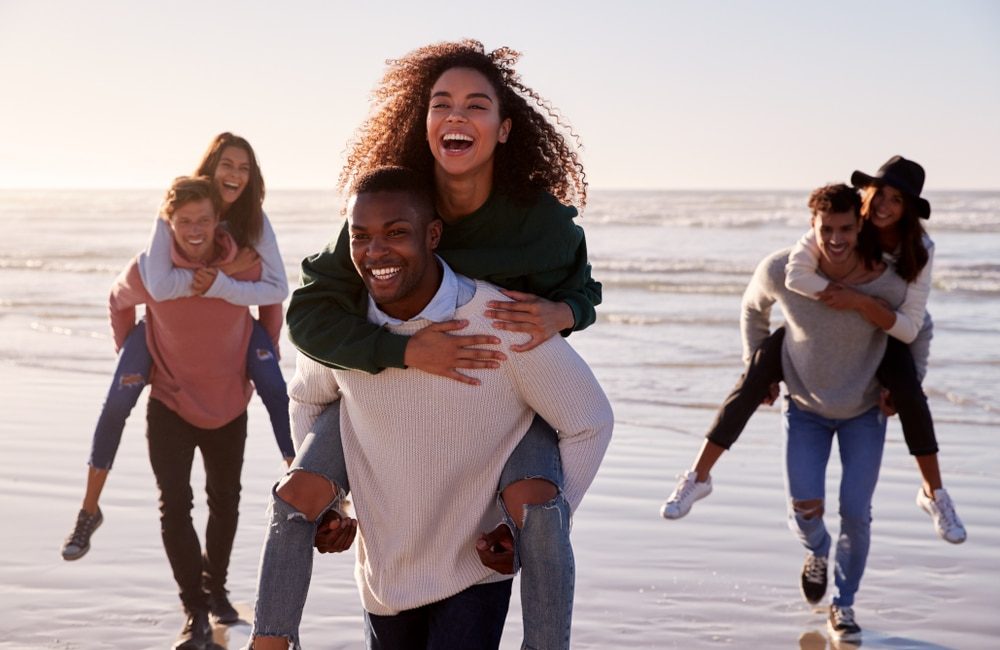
(198, 345)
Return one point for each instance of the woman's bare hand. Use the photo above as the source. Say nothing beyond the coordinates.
(538, 317)
(435, 351)
(245, 258)
(203, 279)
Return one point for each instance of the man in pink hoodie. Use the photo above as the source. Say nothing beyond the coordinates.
(198, 399)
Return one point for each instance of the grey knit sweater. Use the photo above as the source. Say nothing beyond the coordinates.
(829, 357)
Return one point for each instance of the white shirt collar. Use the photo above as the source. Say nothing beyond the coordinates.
(455, 291)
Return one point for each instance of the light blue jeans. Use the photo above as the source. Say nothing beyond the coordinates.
(543, 549)
(132, 375)
(808, 442)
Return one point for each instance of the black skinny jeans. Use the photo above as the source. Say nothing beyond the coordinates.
(897, 373)
(172, 442)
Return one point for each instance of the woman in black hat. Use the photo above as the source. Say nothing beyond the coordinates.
(892, 208)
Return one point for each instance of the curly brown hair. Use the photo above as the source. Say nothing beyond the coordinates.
(540, 154)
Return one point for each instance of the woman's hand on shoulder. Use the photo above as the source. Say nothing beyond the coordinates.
(245, 258)
(540, 318)
(434, 350)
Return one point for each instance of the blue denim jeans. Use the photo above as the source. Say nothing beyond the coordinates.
(472, 619)
(286, 558)
(808, 442)
(132, 374)
(543, 547)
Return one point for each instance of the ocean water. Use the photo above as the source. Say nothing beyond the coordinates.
(673, 264)
(666, 348)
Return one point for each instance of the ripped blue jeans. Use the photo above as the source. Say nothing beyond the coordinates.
(543, 548)
(132, 375)
(808, 444)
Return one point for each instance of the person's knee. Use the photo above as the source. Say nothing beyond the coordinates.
(527, 492)
(856, 518)
(307, 492)
(809, 508)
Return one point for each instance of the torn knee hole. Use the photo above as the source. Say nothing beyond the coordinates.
(808, 509)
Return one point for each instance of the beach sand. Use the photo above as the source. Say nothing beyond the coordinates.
(725, 576)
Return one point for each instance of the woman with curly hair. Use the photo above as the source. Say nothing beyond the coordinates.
(503, 173)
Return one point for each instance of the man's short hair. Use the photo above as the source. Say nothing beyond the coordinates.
(398, 179)
(835, 197)
(186, 189)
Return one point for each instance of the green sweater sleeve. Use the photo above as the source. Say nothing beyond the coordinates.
(327, 315)
(537, 248)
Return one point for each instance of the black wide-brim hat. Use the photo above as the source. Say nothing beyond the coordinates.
(905, 175)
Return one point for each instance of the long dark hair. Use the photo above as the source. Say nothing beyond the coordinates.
(244, 218)
(913, 254)
(539, 155)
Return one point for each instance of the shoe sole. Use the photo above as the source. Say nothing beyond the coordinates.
(71, 558)
(843, 637)
(666, 515)
(77, 556)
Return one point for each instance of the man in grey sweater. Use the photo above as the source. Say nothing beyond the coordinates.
(829, 359)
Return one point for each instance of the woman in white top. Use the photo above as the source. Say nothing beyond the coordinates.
(231, 162)
(893, 210)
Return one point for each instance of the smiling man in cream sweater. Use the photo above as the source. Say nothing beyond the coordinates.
(424, 453)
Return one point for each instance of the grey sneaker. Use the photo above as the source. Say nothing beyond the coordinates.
(78, 543)
(942, 512)
(842, 625)
(688, 491)
(814, 578)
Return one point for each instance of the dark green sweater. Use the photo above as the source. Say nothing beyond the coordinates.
(535, 248)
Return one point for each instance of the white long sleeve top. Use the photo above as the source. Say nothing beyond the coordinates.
(425, 454)
(164, 281)
(802, 278)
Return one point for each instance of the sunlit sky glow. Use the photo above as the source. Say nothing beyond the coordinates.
(664, 94)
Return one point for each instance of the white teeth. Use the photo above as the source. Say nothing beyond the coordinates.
(457, 136)
(232, 186)
(385, 273)
(196, 242)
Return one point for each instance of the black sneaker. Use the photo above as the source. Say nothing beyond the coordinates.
(841, 624)
(196, 633)
(78, 543)
(814, 578)
(221, 608)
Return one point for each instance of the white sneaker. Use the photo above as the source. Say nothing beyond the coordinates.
(942, 512)
(842, 625)
(688, 491)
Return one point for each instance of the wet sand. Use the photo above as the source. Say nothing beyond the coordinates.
(725, 576)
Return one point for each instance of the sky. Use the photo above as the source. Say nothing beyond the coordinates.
(664, 94)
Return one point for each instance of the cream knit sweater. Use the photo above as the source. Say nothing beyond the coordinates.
(425, 454)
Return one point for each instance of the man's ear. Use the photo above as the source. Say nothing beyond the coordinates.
(434, 233)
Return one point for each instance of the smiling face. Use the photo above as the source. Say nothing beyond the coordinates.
(193, 225)
(837, 235)
(464, 124)
(886, 207)
(232, 174)
(392, 246)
